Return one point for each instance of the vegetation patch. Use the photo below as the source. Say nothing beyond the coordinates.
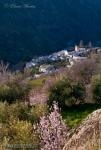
(37, 82)
(74, 115)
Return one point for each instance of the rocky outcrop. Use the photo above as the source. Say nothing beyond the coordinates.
(88, 132)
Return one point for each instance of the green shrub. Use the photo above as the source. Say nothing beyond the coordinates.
(96, 88)
(66, 93)
(35, 70)
(4, 112)
(17, 111)
(24, 112)
(19, 132)
(37, 111)
(13, 91)
(20, 111)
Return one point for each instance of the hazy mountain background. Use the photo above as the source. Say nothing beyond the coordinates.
(38, 27)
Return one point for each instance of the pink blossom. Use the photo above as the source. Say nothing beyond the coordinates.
(52, 130)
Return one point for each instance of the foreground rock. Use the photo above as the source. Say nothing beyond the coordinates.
(87, 135)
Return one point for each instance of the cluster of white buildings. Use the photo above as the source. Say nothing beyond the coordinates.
(78, 54)
(61, 55)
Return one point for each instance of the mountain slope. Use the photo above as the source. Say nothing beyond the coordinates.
(40, 27)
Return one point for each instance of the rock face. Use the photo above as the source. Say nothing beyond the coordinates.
(87, 134)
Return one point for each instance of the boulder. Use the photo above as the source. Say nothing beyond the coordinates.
(87, 135)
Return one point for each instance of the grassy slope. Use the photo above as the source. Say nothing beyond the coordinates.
(74, 115)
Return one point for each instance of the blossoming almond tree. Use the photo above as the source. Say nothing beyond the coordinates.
(52, 130)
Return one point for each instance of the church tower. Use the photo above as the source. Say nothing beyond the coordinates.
(76, 48)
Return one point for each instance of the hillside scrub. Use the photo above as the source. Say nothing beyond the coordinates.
(96, 88)
(17, 127)
(25, 122)
(67, 93)
(21, 111)
(12, 92)
(13, 85)
(83, 71)
(18, 132)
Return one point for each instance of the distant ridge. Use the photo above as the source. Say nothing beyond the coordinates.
(35, 27)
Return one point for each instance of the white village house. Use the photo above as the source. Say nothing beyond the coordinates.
(46, 69)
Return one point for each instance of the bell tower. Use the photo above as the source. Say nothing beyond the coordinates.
(76, 48)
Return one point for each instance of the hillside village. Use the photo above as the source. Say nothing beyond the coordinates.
(50, 79)
(64, 58)
(53, 110)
